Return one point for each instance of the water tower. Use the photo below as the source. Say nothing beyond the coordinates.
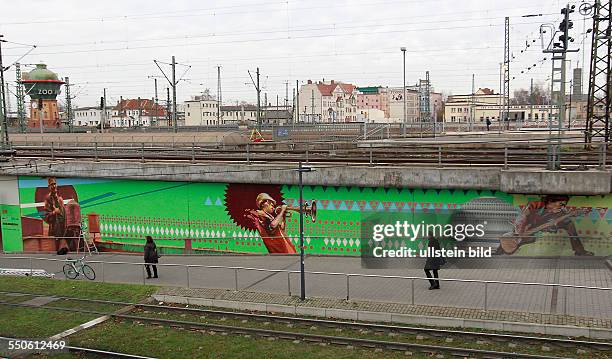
(43, 86)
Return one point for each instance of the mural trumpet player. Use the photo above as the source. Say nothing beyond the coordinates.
(270, 221)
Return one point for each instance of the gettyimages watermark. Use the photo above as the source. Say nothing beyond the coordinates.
(400, 240)
(485, 232)
(408, 231)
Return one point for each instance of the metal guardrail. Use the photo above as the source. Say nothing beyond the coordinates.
(347, 276)
(517, 155)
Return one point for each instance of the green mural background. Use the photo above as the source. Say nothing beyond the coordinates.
(180, 215)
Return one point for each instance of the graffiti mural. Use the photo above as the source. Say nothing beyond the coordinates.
(250, 218)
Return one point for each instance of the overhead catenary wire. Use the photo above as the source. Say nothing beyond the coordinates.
(339, 31)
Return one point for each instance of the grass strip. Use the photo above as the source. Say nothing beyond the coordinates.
(37, 323)
(164, 342)
(77, 289)
(425, 339)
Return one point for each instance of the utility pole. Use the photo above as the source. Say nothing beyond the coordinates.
(424, 102)
(472, 117)
(173, 84)
(403, 49)
(169, 123)
(265, 107)
(20, 98)
(312, 111)
(219, 98)
(506, 112)
(258, 103)
(156, 102)
(569, 117)
(174, 123)
(258, 89)
(8, 99)
(40, 106)
(559, 52)
(286, 95)
(599, 106)
(531, 100)
(297, 102)
(5, 138)
(103, 111)
(501, 90)
(68, 105)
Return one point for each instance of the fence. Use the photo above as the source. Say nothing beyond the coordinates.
(572, 155)
(487, 295)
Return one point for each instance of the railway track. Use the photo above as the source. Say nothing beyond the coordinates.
(307, 324)
(521, 156)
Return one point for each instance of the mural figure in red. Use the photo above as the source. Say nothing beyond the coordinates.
(269, 219)
(255, 207)
(55, 213)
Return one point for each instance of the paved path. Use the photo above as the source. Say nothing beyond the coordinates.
(519, 298)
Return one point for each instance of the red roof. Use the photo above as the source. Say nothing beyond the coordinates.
(146, 105)
(347, 87)
(327, 89)
(487, 91)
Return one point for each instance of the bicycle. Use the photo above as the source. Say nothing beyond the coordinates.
(74, 267)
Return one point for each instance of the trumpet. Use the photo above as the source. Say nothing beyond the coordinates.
(310, 210)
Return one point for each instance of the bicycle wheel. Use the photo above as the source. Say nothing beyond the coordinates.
(70, 272)
(88, 272)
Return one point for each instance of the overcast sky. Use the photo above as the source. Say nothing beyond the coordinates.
(113, 44)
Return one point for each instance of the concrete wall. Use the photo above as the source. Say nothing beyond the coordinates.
(510, 181)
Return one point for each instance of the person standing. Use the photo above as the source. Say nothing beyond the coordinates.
(433, 262)
(151, 256)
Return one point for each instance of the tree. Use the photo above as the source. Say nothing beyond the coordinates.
(521, 97)
(539, 96)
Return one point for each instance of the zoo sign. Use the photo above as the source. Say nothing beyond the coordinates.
(47, 90)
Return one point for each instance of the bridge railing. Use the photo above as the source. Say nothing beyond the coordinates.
(569, 155)
(487, 295)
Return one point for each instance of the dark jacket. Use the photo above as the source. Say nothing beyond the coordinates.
(434, 262)
(150, 253)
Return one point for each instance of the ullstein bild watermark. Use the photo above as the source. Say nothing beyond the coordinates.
(412, 231)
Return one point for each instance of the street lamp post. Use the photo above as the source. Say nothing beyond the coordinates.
(302, 273)
(403, 49)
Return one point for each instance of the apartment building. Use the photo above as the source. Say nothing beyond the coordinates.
(202, 111)
(485, 105)
(327, 102)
